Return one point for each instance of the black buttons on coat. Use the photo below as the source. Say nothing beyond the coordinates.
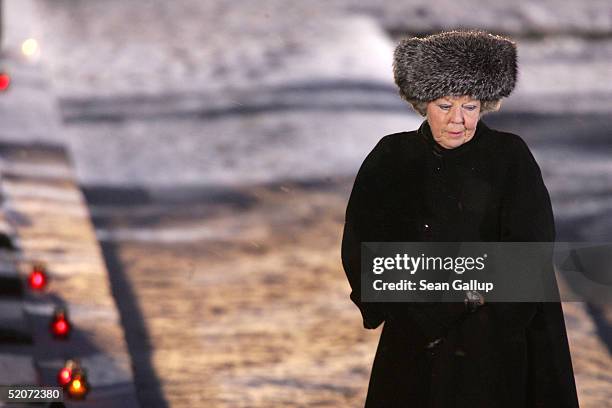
(427, 232)
(438, 161)
(433, 347)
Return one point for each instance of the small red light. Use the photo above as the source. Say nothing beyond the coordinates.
(64, 376)
(60, 325)
(67, 372)
(38, 278)
(5, 81)
(78, 387)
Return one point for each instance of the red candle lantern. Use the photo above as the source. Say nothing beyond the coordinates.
(78, 387)
(60, 325)
(5, 81)
(38, 277)
(64, 376)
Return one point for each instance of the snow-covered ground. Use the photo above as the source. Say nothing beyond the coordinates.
(206, 93)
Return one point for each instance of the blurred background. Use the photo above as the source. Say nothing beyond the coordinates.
(216, 143)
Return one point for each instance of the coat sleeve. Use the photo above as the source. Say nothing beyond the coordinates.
(526, 216)
(526, 212)
(360, 214)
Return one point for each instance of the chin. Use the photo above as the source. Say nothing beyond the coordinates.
(451, 144)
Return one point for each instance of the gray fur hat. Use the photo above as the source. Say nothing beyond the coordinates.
(455, 63)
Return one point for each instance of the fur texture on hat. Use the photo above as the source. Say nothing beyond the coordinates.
(455, 63)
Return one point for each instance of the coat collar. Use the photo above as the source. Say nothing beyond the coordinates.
(425, 132)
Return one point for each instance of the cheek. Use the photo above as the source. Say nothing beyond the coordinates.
(471, 122)
(438, 120)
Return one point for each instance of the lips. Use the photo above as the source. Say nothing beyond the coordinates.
(455, 133)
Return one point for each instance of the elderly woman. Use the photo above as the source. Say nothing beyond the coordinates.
(456, 180)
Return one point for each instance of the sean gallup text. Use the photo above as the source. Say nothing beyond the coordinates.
(425, 285)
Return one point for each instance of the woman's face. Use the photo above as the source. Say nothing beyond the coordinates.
(453, 120)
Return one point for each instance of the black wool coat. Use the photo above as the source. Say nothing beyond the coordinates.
(409, 189)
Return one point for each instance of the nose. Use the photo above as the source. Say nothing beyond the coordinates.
(456, 114)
